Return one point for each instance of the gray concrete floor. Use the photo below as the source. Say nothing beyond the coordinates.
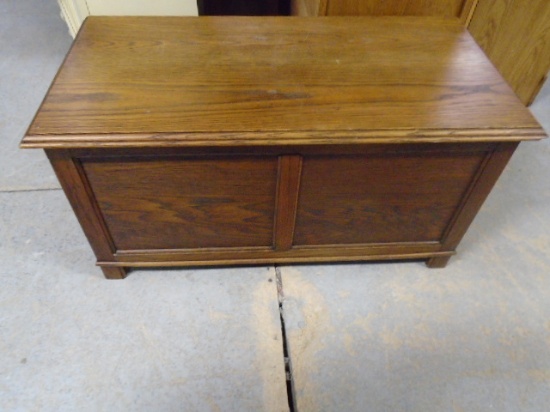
(474, 336)
(193, 340)
(362, 337)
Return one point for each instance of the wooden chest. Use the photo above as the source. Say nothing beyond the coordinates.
(250, 140)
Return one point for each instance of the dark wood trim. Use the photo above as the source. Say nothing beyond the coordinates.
(288, 188)
(254, 255)
(438, 262)
(80, 196)
(113, 272)
(483, 182)
(103, 155)
(467, 12)
(278, 259)
(282, 138)
(466, 196)
(323, 8)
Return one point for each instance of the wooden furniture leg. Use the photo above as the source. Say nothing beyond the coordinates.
(113, 272)
(80, 195)
(486, 178)
(438, 262)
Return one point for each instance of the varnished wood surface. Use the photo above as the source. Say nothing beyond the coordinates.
(288, 189)
(328, 251)
(316, 150)
(448, 8)
(167, 203)
(253, 140)
(161, 207)
(74, 183)
(276, 258)
(473, 199)
(187, 141)
(224, 206)
(152, 81)
(258, 255)
(468, 11)
(515, 34)
(308, 8)
(384, 198)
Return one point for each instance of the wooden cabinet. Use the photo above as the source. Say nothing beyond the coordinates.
(515, 35)
(445, 8)
(378, 140)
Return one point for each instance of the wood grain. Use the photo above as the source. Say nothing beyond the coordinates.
(185, 203)
(295, 78)
(276, 258)
(185, 142)
(515, 34)
(76, 187)
(447, 8)
(288, 188)
(385, 198)
(491, 170)
(468, 11)
(308, 8)
(257, 255)
(486, 177)
(290, 139)
(458, 8)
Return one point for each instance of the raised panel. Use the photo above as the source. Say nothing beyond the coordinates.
(176, 203)
(381, 198)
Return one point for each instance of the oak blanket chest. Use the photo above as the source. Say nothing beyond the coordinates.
(245, 140)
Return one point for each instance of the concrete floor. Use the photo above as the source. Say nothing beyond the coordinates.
(474, 336)
(362, 337)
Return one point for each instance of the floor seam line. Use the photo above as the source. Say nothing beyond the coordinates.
(289, 378)
(30, 190)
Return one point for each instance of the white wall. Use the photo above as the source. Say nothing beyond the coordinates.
(75, 11)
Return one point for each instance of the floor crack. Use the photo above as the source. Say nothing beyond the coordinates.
(288, 364)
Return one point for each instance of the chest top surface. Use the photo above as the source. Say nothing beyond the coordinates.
(146, 81)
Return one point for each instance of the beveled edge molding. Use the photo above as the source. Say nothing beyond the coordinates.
(467, 12)
(304, 137)
(278, 259)
(266, 254)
